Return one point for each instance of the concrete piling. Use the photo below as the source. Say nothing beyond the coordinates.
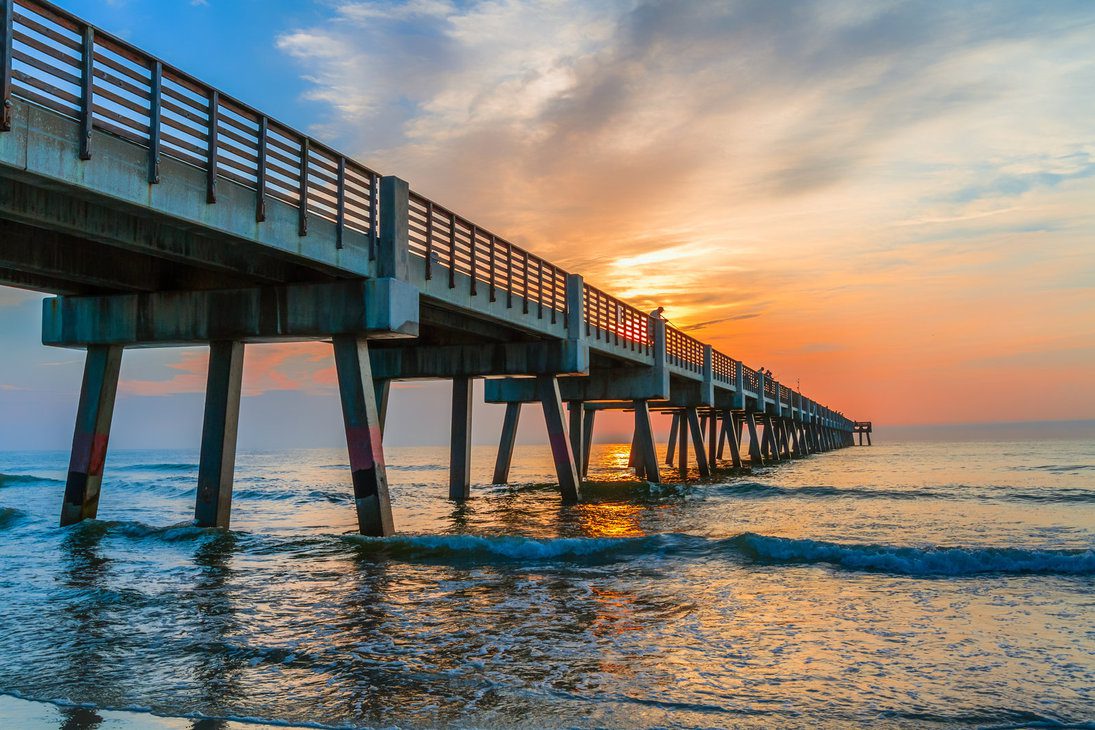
(576, 431)
(505, 446)
(587, 436)
(216, 466)
(712, 439)
(682, 446)
(565, 467)
(460, 440)
(644, 437)
(732, 426)
(755, 457)
(697, 442)
(363, 438)
(673, 428)
(89, 439)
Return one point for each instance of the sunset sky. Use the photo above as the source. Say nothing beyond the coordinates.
(893, 202)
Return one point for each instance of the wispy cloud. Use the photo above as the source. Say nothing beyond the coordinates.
(851, 174)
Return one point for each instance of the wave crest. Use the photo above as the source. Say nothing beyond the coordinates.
(13, 479)
(930, 561)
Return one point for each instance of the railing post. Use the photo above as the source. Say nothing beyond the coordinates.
(707, 396)
(393, 257)
(260, 171)
(155, 92)
(87, 96)
(302, 213)
(6, 27)
(340, 208)
(739, 385)
(214, 147)
(762, 405)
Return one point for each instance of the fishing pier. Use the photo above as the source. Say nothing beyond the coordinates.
(161, 212)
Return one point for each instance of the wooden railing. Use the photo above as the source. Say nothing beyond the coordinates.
(50, 58)
(616, 322)
(104, 83)
(684, 351)
(752, 381)
(449, 245)
(723, 367)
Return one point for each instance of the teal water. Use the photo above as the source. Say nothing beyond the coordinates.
(902, 585)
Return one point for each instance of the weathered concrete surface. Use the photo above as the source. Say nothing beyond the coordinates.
(560, 357)
(43, 148)
(363, 436)
(460, 440)
(375, 307)
(216, 467)
(506, 443)
(89, 438)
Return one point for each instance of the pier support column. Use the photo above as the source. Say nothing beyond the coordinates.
(363, 439)
(796, 449)
(644, 436)
(460, 440)
(89, 438)
(633, 455)
(697, 442)
(755, 458)
(733, 437)
(576, 430)
(217, 464)
(565, 468)
(382, 386)
(682, 446)
(785, 437)
(713, 434)
(505, 445)
(587, 436)
(770, 439)
(673, 428)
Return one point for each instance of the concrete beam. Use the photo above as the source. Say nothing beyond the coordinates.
(375, 307)
(602, 384)
(489, 359)
(79, 268)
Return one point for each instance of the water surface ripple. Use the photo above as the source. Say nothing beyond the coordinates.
(902, 585)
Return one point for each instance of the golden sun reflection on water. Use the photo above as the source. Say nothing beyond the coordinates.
(610, 520)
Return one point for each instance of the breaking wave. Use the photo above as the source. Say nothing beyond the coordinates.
(7, 480)
(902, 560)
(929, 561)
(1049, 496)
(9, 516)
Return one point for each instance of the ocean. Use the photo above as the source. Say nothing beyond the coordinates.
(917, 584)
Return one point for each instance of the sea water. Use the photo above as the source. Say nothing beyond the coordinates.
(901, 585)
